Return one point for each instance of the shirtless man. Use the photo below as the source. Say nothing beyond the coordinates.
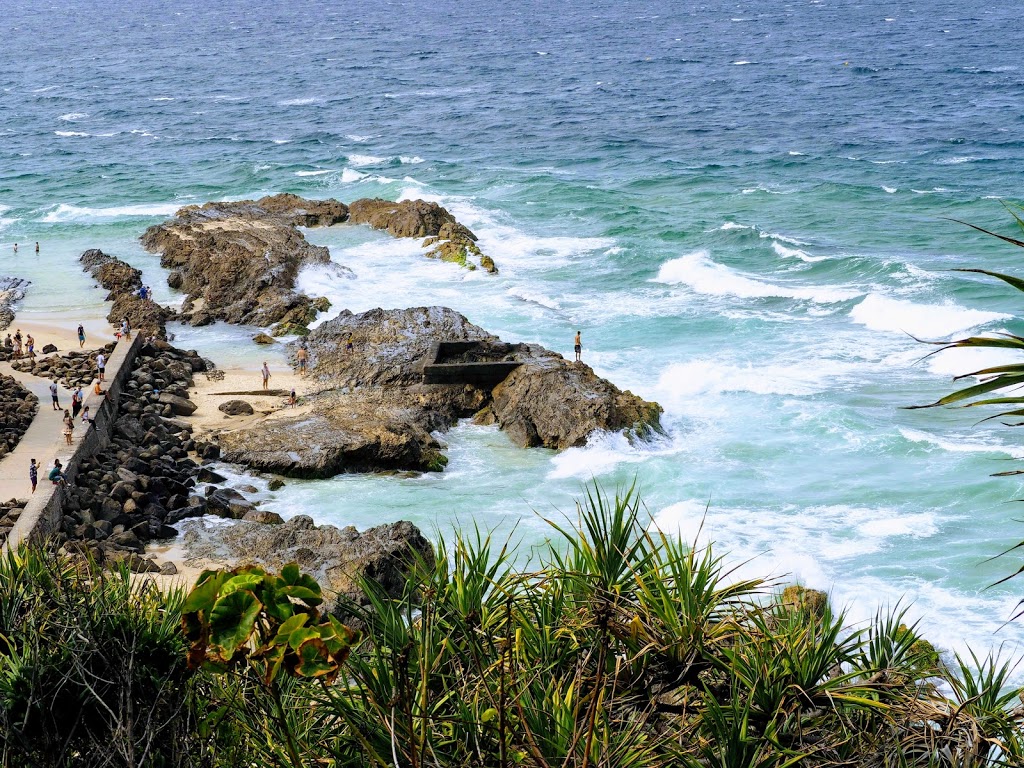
(302, 356)
(578, 345)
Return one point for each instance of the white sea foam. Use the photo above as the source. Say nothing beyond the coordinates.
(357, 138)
(890, 190)
(953, 446)
(741, 63)
(796, 154)
(349, 175)
(956, 160)
(162, 98)
(733, 225)
(414, 160)
(957, 362)
(314, 173)
(64, 213)
(282, 141)
(928, 321)
(534, 297)
(697, 271)
(795, 253)
(362, 160)
(679, 382)
(604, 452)
(300, 102)
(72, 116)
(69, 134)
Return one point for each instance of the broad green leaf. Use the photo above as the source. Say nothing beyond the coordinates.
(290, 573)
(298, 636)
(289, 626)
(241, 581)
(232, 621)
(314, 659)
(204, 594)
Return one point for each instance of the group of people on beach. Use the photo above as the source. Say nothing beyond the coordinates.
(19, 345)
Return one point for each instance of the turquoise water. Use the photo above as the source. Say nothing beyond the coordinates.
(743, 208)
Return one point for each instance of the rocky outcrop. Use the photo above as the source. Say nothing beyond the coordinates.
(368, 430)
(18, 407)
(448, 239)
(378, 413)
(123, 282)
(72, 369)
(12, 290)
(237, 261)
(336, 558)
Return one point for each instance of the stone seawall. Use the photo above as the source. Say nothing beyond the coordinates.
(43, 513)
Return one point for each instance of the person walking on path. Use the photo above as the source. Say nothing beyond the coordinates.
(33, 474)
(69, 426)
(81, 336)
(266, 375)
(76, 402)
(578, 346)
(53, 395)
(302, 356)
(101, 364)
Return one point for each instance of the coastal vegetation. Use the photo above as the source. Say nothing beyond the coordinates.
(612, 645)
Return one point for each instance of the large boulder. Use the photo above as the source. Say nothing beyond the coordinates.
(336, 558)
(364, 431)
(451, 240)
(553, 403)
(237, 261)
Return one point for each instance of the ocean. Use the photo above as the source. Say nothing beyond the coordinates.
(744, 207)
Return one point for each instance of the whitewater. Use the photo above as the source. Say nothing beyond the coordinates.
(755, 247)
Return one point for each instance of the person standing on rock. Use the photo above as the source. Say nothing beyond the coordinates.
(30, 346)
(53, 395)
(578, 346)
(76, 402)
(302, 356)
(101, 364)
(33, 474)
(349, 345)
(81, 336)
(266, 375)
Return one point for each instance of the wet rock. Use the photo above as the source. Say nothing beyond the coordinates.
(262, 338)
(263, 516)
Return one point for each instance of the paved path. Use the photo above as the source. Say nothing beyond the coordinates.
(40, 441)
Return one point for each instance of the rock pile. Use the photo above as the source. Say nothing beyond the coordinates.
(10, 511)
(378, 414)
(132, 491)
(18, 407)
(72, 369)
(123, 282)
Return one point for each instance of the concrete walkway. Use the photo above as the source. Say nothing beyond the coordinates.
(41, 441)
